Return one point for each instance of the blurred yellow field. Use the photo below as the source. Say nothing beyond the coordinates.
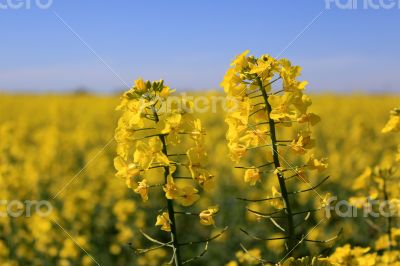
(60, 148)
(217, 133)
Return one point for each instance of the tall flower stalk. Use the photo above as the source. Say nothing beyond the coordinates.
(381, 183)
(277, 164)
(156, 134)
(258, 114)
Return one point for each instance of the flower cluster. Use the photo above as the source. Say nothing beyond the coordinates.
(247, 118)
(147, 138)
(393, 125)
(358, 256)
(382, 183)
(139, 152)
(265, 97)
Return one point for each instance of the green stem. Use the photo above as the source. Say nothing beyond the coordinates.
(290, 224)
(170, 203)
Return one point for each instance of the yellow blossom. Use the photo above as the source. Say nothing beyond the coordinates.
(263, 68)
(140, 85)
(277, 202)
(166, 91)
(311, 118)
(249, 258)
(252, 176)
(187, 196)
(164, 222)
(281, 107)
(142, 189)
(240, 61)
(302, 143)
(393, 125)
(207, 216)
(149, 152)
(237, 151)
(171, 190)
(127, 171)
(289, 74)
(316, 164)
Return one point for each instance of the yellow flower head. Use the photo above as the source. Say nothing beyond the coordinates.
(302, 143)
(173, 126)
(171, 190)
(240, 61)
(148, 152)
(127, 171)
(237, 151)
(164, 222)
(316, 164)
(282, 107)
(207, 216)
(140, 85)
(264, 68)
(187, 196)
(204, 178)
(249, 258)
(252, 176)
(166, 91)
(393, 125)
(143, 190)
(310, 118)
(278, 201)
(196, 156)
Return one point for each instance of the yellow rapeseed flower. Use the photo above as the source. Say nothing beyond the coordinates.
(164, 222)
(252, 176)
(143, 190)
(207, 216)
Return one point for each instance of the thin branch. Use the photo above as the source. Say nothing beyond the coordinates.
(178, 154)
(142, 251)
(254, 112)
(257, 104)
(142, 129)
(205, 240)
(151, 136)
(324, 241)
(306, 211)
(187, 213)
(252, 167)
(278, 225)
(259, 200)
(311, 188)
(267, 214)
(261, 238)
(198, 256)
(277, 92)
(261, 260)
(183, 177)
(266, 145)
(255, 96)
(151, 239)
(155, 185)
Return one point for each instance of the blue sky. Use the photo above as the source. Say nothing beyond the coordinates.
(190, 43)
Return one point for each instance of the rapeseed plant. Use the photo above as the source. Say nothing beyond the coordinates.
(256, 112)
(150, 136)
